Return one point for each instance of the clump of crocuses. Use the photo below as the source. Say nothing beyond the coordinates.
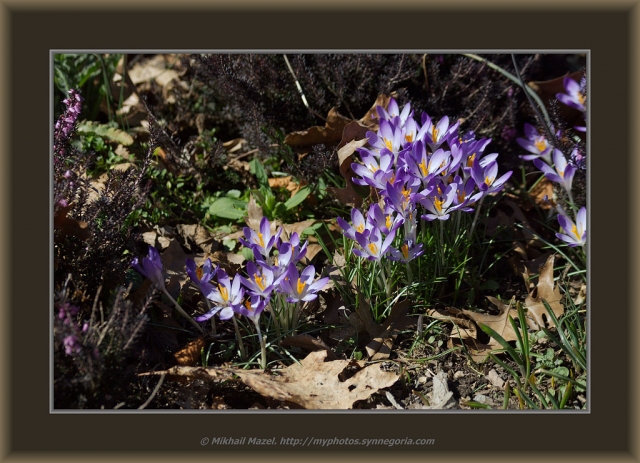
(272, 282)
(419, 168)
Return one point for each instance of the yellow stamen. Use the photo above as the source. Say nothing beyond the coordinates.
(224, 292)
(561, 172)
(489, 180)
(301, 286)
(199, 273)
(405, 251)
(247, 304)
(581, 98)
(388, 144)
(373, 248)
(360, 228)
(259, 279)
(423, 168)
(409, 138)
(574, 230)
(373, 168)
(259, 240)
(275, 261)
(460, 197)
(388, 222)
(541, 144)
(439, 190)
(434, 133)
(438, 204)
(470, 160)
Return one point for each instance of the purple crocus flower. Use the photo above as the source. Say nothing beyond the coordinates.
(408, 251)
(436, 134)
(373, 173)
(389, 137)
(403, 194)
(423, 166)
(575, 96)
(262, 240)
(575, 233)
(464, 197)
(386, 221)
(151, 267)
(439, 203)
(485, 177)
(373, 248)
(252, 308)
(261, 281)
(226, 296)
(535, 144)
(301, 287)
(360, 225)
(561, 173)
(202, 274)
(393, 111)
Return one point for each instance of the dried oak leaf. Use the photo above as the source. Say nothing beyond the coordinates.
(330, 134)
(197, 235)
(537, 316)
(315, 384)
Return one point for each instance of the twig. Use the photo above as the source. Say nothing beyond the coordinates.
(153, 394)
(304, 98)
(424, 69)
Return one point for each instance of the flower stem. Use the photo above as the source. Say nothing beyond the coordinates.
(182, 312)
(263, 347)
(243, 354)
(213, 319)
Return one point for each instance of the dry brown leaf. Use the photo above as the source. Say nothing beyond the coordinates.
(330, 134)
(544, 188)
(315, 384)
(307, 342)
(190, 354)
(465, 328)
(370, 119)
(547, 290)
(254, 214)
(288, 183)
(197, 235)
(499, 323)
